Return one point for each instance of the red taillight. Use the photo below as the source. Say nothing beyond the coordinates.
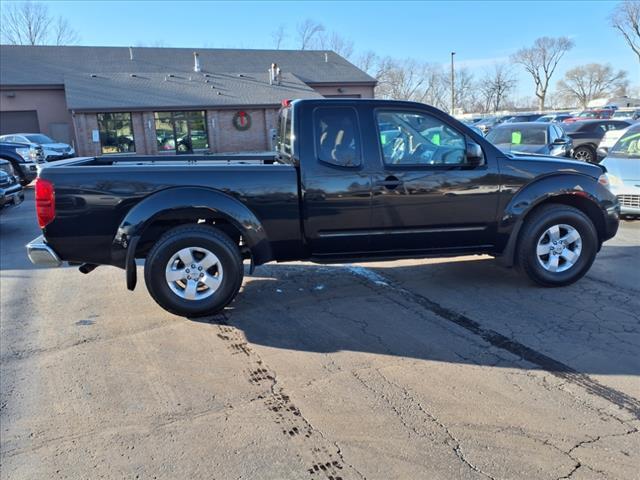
(45, 202)
(286, 103)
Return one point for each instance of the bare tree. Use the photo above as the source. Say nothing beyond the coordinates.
(496, 86)
(335, 42)
(25, 24)
(591, 81)
(379, 68)
(541, 61)
(307, 31)
(464, 89)
(29, 23)
(626, 19)
(411, 80)
(278, 37)
(402, 80)
(64, 34)
(367, 62)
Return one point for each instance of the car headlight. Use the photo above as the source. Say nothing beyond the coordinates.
(614, 181)
(25, 153)
(28, 154)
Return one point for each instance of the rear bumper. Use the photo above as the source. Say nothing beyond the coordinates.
(42, 254)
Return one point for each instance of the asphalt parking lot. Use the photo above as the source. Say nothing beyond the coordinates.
(434, 369)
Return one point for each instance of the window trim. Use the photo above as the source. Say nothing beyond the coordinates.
(174, 151)
(316, 141)
(414, 166)
(133, 133)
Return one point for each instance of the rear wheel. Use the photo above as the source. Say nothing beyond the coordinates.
(558, 245)
(585, 154)
(194, 270)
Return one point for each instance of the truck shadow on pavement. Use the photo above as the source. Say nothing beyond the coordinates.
(469, 312)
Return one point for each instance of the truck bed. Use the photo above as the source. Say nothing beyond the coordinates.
(93, 195)
(263, 158)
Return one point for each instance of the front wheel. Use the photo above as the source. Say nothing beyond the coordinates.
(558, 245)
(194, 270)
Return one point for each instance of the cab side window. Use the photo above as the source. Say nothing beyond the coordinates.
(412, 138)
(337, 136)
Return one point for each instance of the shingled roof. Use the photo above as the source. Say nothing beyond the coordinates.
(154, 90)
(49, 65)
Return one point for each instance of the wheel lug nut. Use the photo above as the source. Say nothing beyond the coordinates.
(187, 270)
(199, 268)
(193, 266)
(202, 274)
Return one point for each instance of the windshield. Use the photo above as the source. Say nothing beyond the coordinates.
(623, 114)
(546, 118)
(628, 145)
(519, 135)
(38, 138)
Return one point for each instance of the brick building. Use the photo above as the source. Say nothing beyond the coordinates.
(163, 100)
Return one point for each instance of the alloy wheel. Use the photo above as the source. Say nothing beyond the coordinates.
(194, 273)
(558, 248)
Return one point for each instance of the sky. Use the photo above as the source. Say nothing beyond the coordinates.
(481, 33)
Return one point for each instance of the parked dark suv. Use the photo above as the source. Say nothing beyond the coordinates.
(586, 136)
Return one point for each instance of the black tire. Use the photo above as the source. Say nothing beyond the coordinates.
(536, 225)
(199, 236)
(585, 153)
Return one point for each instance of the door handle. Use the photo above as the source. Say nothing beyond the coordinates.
(390, 182)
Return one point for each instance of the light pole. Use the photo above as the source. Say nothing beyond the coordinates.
(453, 85)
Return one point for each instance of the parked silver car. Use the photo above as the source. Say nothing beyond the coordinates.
(52, 150)
(623, 171)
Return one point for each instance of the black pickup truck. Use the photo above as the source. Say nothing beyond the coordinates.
(24, 158)
(351, 180)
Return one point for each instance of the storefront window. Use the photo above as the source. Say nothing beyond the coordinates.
(181, 132)
(116, 133)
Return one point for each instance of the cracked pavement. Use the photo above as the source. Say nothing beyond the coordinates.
(438, 369)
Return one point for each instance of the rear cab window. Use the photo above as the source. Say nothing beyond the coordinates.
(337, 137)
(284, 143)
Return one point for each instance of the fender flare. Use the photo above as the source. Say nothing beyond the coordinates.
(538, 192)
(220, 204)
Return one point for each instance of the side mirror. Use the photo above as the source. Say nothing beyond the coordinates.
(475, 157)
(559, 141)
